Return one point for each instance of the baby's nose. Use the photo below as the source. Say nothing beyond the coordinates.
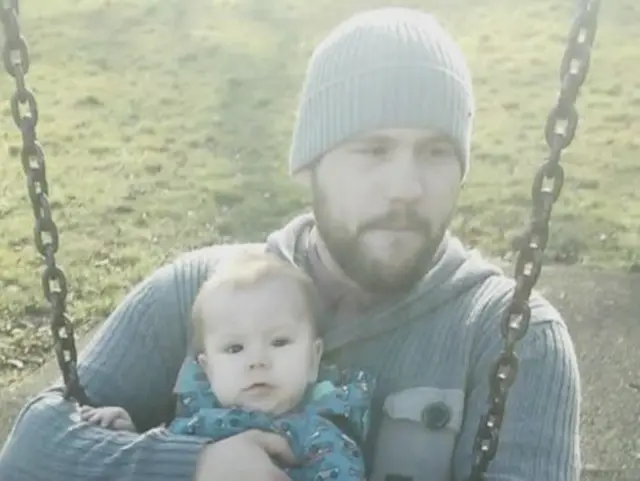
(258, 359)
(257, 364)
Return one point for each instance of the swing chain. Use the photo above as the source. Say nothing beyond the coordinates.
(559, 133)
(16, 63)
(560, 130)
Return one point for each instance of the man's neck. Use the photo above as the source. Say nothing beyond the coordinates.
(334, 272)
(341, 293)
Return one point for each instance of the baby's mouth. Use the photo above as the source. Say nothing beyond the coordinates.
(258, 386)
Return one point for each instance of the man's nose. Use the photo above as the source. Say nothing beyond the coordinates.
(403, 179)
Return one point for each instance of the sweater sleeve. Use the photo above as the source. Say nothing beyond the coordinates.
(539, 437)
(132, 363)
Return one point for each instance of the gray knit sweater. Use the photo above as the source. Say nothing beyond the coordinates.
(435, 344)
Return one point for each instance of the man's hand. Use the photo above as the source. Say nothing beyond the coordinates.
(246, 456)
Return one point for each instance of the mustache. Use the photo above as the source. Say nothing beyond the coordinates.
(405, 219)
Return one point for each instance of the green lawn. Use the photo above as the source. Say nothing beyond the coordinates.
(166, 125)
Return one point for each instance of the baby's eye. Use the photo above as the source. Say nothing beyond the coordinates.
(233, 348)
(281, 341)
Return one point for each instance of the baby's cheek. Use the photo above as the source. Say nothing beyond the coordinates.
(294, 395)
(225, 390)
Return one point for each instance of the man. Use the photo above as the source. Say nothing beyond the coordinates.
(382, 137)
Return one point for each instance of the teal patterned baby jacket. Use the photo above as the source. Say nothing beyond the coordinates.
(325, 432)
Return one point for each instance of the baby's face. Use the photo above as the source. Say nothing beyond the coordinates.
(260, 348)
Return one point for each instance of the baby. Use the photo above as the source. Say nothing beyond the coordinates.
(255, 364)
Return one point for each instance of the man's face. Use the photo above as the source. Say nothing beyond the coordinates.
(382, 204)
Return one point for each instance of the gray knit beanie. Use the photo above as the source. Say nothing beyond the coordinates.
(383, 69)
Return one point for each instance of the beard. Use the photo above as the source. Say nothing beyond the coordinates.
(348, 249)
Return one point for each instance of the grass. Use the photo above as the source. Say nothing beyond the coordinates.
(166, 125)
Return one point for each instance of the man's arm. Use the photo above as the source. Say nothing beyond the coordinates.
(131, 363)
(539, 438)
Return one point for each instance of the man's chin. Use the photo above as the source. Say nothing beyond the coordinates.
(389, 278)
(378, 243)
(391, 263)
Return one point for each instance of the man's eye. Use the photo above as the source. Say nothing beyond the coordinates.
(377, 150)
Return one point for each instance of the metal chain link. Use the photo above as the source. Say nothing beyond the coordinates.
(54, 283)
(560, 130)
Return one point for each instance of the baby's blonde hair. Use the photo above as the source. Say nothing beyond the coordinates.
(246, 270)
